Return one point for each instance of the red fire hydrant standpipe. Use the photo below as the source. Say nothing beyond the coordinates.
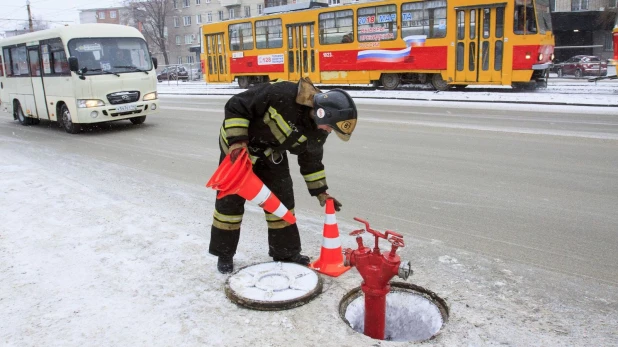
(377, 270)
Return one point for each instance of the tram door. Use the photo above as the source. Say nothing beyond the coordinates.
(480, 43)
(302, 55)
(216, 58)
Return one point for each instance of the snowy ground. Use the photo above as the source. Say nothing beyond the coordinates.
(87, 259)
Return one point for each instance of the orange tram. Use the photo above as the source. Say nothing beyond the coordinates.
(448, 43)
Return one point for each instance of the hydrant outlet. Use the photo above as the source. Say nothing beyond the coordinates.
(405, 270)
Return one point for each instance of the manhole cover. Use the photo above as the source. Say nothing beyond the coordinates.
(273, 286)
(413, 313)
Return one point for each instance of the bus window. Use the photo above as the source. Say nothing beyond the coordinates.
(35, 66)
(1, 67)
(335, 25)
(377, 23)
(7, 62)
(54, 58)
(268, 33)
(524, 21)
(241, 36)
(424, 18)
(19, 61)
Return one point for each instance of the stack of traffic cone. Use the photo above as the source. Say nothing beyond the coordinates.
(331, 258)
(238, 178)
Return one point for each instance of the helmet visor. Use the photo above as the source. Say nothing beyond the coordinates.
(344, 129)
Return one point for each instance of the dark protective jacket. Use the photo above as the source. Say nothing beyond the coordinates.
(275, 118)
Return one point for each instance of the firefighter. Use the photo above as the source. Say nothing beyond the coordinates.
(270, 120)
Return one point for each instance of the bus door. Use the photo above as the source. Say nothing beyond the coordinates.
(302, 55)
(38, 90)
(216, 58)
(480, 43)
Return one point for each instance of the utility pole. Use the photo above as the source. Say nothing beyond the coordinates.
(29, 16)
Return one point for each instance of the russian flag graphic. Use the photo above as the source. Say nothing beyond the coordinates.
(382, 55)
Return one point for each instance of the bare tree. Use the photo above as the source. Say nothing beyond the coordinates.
(38, 23)
(152, 14)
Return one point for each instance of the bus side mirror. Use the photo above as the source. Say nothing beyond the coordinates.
(155, 62)
(73, 64)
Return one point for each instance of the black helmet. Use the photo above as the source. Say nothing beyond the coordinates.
(336, 109)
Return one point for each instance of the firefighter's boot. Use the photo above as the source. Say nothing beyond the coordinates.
(225, 265)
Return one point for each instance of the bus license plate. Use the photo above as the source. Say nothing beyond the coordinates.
(126, 108)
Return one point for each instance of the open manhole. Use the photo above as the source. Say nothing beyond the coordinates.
(273, 286)
(413, 313)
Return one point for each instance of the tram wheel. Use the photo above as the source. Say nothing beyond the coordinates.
(438, 82)
(390, 81)
(243, 82)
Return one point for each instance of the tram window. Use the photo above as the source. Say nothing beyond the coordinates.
(485, 55)
(19, 61)
(460, 56)
(312, 37)
(241, 36)
(269, 33)
(291, 60)
(499, 22)
(312, 60)
(524, 21)
(335, 25)
(461, 25)
(471, 57)
(305, 61)
(377, 23)
(498, 56)
(424, 18)
(486, 22)
(472, 24)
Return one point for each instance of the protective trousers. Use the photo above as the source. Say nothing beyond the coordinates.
(283, 238)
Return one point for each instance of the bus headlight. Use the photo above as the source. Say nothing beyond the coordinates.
(85, 103)
(150, 96)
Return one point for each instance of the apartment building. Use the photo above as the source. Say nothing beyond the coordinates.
(583, 27)
(109, 15)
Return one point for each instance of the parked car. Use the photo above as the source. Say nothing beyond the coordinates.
(582, 65)
(172, 73)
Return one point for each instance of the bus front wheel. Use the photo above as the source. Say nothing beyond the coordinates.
(67, 121)
(138, 120)
(21, 117)
(390, 81)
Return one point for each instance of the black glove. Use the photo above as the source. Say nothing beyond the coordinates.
(322, 197)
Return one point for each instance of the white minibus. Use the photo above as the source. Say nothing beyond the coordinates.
(78, 74)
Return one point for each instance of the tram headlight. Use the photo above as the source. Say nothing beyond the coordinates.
(552, 57)
(541, 56)
(87, 103)
(150, 96)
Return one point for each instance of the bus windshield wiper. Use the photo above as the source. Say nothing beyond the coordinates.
(134, 68)
(85, 70)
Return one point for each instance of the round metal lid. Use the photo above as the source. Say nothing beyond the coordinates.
(273, 286)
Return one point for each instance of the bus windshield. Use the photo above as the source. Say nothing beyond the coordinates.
(111, 55)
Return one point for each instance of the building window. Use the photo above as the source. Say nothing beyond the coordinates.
(608, 46)
(188, 39)
(187, 20)
(179, 60)
(208, 1)
(198, 2)
(334, 2)
(579, 5)
(259, 8)
(176, 22)
(232, 13)
(190, 59)
(198, 19)
(220, 15)
(612, 3)
(175, 4)
(209, 17)
(177, 40)
(112, 14)
(186, 3)
(101, 15)
(247, 11)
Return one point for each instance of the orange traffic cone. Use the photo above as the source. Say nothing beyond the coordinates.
(331, 257)
(238, 178)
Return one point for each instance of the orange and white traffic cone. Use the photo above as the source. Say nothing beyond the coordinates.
(238, 178)
(331, 258)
